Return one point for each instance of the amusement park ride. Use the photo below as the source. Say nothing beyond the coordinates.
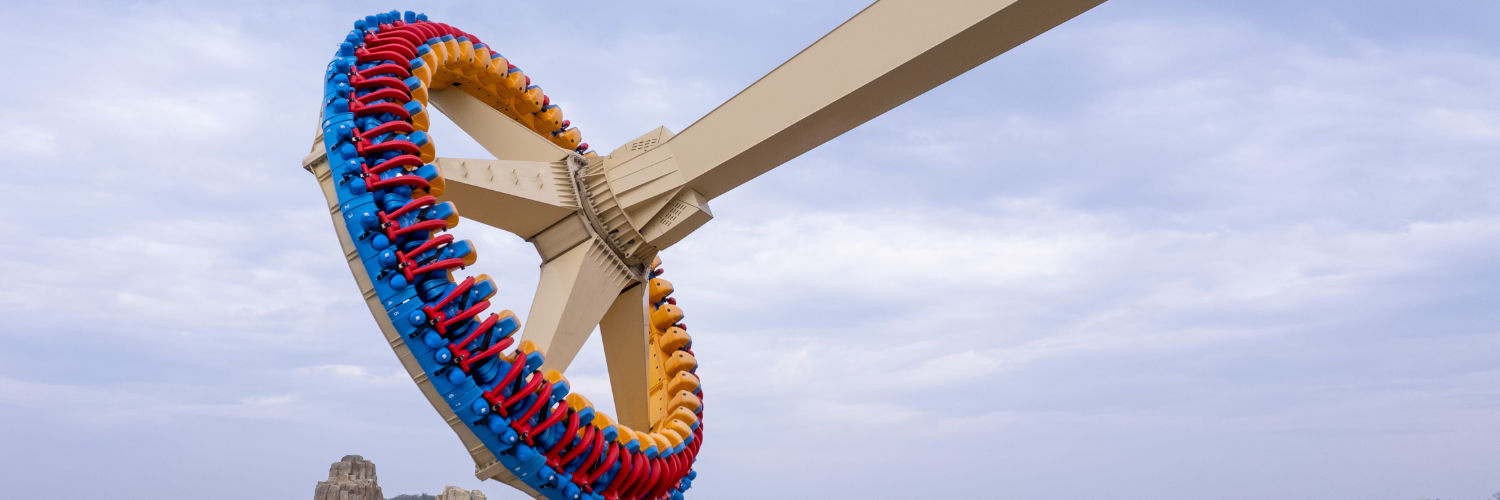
(598, 222)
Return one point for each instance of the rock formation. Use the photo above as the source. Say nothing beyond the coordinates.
(456, 493)
(351, 478)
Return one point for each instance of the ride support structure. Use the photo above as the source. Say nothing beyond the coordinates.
(597, 221)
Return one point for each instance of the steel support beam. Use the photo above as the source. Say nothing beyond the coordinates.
(523, 197)
(575, 290)
(497, 133)
(627, 341)
(889, 53)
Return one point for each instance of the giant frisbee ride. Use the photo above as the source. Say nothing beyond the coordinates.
(597, 222)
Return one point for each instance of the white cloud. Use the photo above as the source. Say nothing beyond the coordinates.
(856, 414)
(28, 141)
(357, 374)
(115, 407)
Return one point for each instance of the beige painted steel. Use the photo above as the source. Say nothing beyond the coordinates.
(574, 292)
(497, 133)
(522, 197)
(561, 237)
(887, 54)
(627, 343)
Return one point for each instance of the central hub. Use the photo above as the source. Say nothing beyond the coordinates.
(606, 221)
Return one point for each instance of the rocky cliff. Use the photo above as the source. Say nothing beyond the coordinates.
(351, 478)
(456, 493)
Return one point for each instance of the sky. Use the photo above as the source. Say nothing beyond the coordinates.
(1167, 250)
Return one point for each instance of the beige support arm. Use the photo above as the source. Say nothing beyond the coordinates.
(626, 335)
(575, 290)
(499, 134)
(889, 53)
(523, 197)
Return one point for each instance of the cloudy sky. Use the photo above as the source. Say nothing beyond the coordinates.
(1169, 250)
